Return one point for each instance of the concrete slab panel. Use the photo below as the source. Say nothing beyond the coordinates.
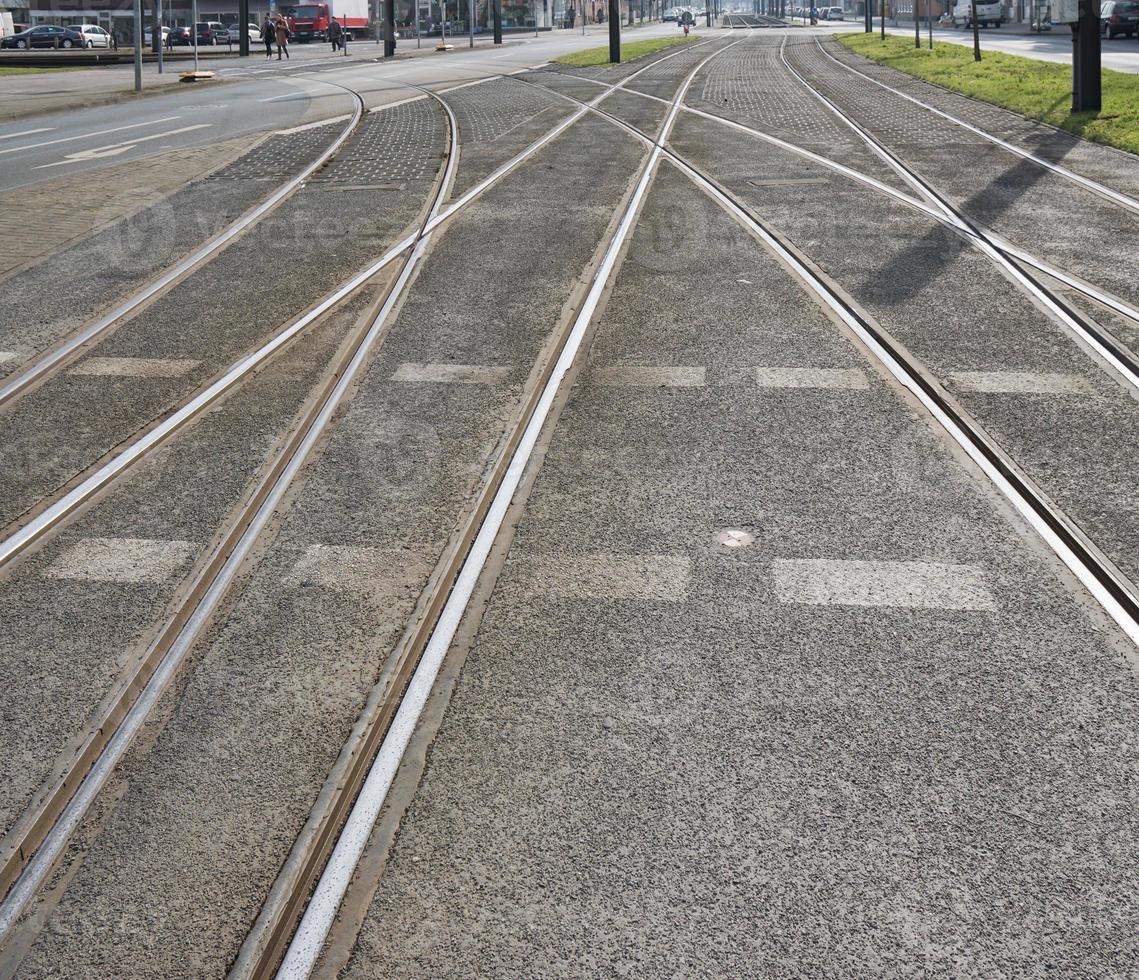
(600, 576)
(1022, 382)
(463, 374)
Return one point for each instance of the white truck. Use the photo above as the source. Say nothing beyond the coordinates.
(988, 14)
(6, 25)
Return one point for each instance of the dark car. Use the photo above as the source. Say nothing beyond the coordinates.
(179, 37)
(44, 36)
(1119, 17)
(211, 32)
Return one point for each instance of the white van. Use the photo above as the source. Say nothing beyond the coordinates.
(6, 25)
(988, 14)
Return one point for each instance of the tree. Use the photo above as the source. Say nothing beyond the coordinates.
(976, 30)
(917, 27)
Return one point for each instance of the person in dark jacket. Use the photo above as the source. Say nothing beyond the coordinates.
(267, 32)
(335, 34)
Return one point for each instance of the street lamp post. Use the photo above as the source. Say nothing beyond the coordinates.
(615, 32)
(137, 45)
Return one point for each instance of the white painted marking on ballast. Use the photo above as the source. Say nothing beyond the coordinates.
(124, 560)
(463, 374)
(1022, 383)
(607, 576)
(651, 377)
(133, 367)
(910, 584)
(835, 378)
(7, 355)
(360, 570)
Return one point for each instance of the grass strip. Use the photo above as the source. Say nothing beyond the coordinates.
(1035, 89)
(592, 57)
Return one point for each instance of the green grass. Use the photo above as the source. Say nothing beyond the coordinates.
(1036, 89)
(591, 57)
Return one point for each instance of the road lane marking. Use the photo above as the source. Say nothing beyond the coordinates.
(906, 584)
(114, 149)
(287, 95)
(651, 377)
(84, 136)
(378, 573)
(833, 378)
(313, 125)
(131, 561)
(28, 132)
(463, 374)
(1022, 383)
(662, 578)
(133, 367)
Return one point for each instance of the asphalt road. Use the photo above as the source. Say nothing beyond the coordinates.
(258, 96)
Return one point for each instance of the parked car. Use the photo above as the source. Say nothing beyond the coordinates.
(211, 32)
(44, 36)
(93, 35)
(988, 13)
(834, 13)
(1119, 17)
(180, 37)
(146, 36)
(234, 33)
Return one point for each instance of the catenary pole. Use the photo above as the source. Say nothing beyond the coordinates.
(615, 32)
(137, 45)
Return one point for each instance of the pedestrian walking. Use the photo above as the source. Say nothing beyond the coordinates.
(267, 32)
(334, 34)
(282, 31)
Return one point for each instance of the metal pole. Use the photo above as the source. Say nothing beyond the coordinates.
(615, 32)
(156, 32)
(1086, 93)
(137, 45)
(497, 4)
(194, 29)
(869, 12)
(243, 23)
(418, 42)
(389, 28)
(471, 20)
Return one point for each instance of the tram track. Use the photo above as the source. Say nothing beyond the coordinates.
(1118, 596)
(1119, 362)
(970, 231)
(53, 359)
(43, 834)
(375, 763)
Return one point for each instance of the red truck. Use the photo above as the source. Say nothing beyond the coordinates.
(309, 21)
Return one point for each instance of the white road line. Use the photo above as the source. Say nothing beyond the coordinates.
(84, 136)
(114, 149)
(314, 125)
(28, 132)
(287, 95)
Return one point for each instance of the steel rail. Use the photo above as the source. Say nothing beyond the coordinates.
(1123, 200)
(1091, 292)
(453, 593)
(54, 357)
(319, 836)
(45, 834)
(51, 516)
(1120, 362)
(1116, 594)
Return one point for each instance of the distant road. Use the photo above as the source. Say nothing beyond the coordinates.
(1122, 54)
